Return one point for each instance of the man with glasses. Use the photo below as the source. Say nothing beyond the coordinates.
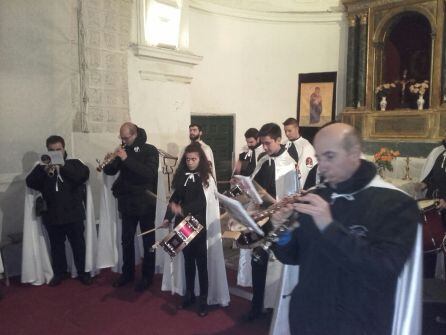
(137, 164)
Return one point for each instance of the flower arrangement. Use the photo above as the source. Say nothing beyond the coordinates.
(419, 88)
(383, 90)
(383, 159)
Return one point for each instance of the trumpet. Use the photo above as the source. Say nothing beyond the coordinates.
(110, 157)
(49, 168)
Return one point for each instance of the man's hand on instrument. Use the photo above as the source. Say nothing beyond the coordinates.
(317, 208)
(121, 153)
(279, 217)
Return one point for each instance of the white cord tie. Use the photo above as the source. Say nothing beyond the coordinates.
(190, 176)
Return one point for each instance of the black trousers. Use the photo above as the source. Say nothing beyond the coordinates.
(75, 234)
(430, 259)
(196, 254)
(259, 269)
(129, 224)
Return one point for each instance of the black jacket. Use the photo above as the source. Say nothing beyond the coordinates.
(348, 273)
(436, 179)
(66, 204)
(137, 182)
(191, 197)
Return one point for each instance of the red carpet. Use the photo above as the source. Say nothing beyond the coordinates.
(72, 308)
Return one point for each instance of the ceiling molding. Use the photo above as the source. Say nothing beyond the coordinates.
(301, 13)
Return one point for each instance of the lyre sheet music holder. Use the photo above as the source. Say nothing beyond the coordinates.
(239, 213)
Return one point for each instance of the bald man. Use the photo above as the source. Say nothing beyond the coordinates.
(137, 164)
(353, 239)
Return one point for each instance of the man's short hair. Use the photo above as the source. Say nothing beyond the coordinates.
(133, 129)
(195, 125)
(270, 129)
(291, 121)
(252, 132)
(53, 139)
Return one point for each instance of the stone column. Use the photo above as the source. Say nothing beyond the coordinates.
(362, 59)
(104, 29)
(443, 65)
(351, 62)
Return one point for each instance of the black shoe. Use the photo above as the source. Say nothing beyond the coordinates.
(122, 280)
(143, 284)
(56, 280)
(202, 307)
(188, 300)
(85, 279)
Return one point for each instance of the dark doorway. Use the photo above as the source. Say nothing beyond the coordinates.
(218, 133)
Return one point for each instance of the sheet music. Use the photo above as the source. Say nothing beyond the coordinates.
(239, 213)
(56, 157)
(247, 186)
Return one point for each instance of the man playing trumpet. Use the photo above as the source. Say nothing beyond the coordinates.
(63, 190)
(137, 164)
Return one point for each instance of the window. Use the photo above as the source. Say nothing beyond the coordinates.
(162, 23)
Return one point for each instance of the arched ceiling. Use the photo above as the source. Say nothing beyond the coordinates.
(277, 6)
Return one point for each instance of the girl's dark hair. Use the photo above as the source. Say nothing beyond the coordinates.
(204, 168)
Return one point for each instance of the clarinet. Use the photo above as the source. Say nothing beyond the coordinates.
(288, 225)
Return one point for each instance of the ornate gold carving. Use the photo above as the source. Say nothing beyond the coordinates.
(363, 18)
(352, 20)
(411, 126)
(401, 124)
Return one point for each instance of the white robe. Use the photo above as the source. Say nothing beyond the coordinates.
(307, 157)
(174, 275)
(408, 296)
(430, 161)
(278, 276)
(110, 227)
(244, 272)
(1, 265)
(36, 263)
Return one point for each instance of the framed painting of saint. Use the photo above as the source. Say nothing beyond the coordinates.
(316, 99)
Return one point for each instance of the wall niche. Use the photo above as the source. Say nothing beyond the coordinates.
(395, 54)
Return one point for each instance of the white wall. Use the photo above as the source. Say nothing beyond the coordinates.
(38, 66)
(161, 107)
(250, 67)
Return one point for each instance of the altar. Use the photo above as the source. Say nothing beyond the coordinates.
(396, 74)
(405, 174)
